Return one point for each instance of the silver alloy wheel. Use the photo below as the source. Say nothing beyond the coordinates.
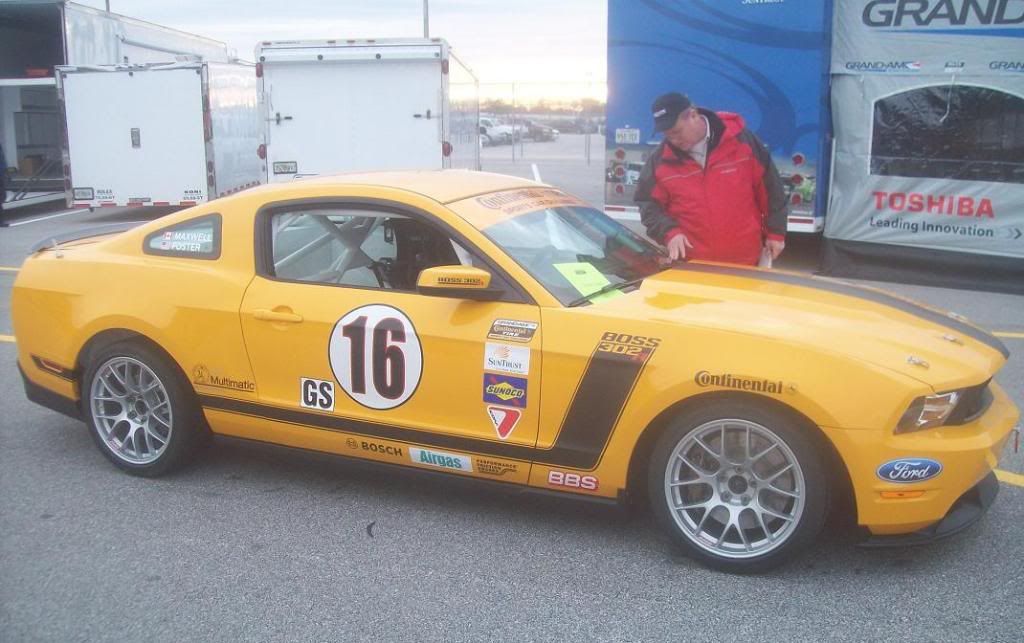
(734, 488)
(132, 410)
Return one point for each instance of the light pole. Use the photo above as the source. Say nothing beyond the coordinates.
(426, 20)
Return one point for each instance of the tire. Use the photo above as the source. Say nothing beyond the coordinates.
(142, 414)
(746, 512)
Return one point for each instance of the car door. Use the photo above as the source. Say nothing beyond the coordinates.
(349, 357)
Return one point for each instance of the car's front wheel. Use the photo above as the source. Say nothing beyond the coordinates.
(740, 487)
(142, 414)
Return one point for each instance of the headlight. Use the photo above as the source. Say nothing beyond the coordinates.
(928, 412)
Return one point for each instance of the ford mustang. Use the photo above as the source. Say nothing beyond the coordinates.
(484, 326)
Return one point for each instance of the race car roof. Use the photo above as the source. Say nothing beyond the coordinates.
(444, 186)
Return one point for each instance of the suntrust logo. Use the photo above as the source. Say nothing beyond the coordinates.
(942, 13)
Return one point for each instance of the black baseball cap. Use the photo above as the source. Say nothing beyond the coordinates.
(667, 108)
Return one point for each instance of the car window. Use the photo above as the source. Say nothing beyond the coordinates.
(197, 238)
(360, 248)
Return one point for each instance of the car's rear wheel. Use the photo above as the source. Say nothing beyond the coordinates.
(142, 414)
(739, 487)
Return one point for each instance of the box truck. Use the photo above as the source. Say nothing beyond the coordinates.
(334, 106)
(159, 134)
(36, 36)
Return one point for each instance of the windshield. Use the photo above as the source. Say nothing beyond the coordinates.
(575, 252)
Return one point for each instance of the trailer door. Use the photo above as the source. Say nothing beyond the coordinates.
(332, 116)
(136, 137)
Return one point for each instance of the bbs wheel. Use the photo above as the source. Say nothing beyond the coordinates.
(142, 415)
(739, 487)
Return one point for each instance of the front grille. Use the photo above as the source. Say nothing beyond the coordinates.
(973, 402)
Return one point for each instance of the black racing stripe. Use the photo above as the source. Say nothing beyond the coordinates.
(596, 406)
(368, 429)
(840, 288)
(607, 383)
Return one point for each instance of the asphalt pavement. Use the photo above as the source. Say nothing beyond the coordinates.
(253, 542)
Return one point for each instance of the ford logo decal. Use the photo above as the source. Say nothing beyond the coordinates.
(909, 470)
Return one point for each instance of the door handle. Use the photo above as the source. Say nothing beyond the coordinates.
(263, 314)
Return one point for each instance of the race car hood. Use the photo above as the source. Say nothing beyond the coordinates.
(931, 346)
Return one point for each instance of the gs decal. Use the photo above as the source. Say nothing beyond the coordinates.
(376, 356)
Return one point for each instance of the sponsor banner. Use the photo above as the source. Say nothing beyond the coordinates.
(895, 181)
(507, 359)
(441, 460)
(972, 37)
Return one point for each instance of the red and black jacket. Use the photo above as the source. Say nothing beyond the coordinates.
(727, 208)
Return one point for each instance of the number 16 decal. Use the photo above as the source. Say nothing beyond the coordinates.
(376, 356)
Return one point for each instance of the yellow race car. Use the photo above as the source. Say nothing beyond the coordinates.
(489, 327)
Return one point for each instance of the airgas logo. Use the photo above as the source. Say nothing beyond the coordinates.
(441, 460)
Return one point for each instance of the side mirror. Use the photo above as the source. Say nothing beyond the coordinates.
(459, 282)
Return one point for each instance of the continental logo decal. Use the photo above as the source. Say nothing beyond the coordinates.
(726, 380)
(203, 377)
(527, 200)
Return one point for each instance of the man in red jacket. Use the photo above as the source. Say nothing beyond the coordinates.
(710, 190)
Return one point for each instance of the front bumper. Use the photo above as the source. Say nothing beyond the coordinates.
(966, 511)
(968, 453)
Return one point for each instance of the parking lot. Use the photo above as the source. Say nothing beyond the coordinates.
(257, 543)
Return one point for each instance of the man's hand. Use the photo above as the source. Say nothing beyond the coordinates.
(677, 246)
(775, 247)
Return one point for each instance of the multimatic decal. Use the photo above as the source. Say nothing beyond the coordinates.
(608, 380)
(840, 288)
(202, 376)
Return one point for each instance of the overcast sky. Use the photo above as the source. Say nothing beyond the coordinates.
(558, 45)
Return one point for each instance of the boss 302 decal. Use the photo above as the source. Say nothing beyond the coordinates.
(376, 356)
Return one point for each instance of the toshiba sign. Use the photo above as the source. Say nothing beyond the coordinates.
(939, 204)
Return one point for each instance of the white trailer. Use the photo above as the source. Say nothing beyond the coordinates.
(159, 134)
(38, 35)
(353, 105)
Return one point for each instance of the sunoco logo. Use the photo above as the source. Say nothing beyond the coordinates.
(883, 67)
(942, 13)
(1006, 65)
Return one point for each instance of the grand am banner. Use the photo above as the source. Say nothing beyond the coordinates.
(928, 115)
(928, 37)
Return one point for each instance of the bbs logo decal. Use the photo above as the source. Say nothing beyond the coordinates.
(317, 394)
(376, 356)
